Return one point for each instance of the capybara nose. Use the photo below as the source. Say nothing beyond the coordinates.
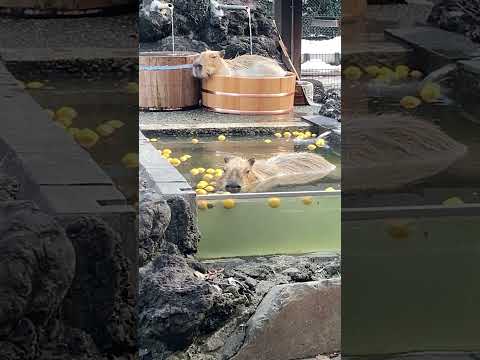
(233, 188)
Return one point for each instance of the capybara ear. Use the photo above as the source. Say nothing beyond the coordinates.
(227, 159)
(251, 161)
(222, 53)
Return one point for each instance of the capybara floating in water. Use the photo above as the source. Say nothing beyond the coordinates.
(252, 175)
(210, 63)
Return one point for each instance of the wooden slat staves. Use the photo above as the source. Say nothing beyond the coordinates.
(249, 96)
(166, 81)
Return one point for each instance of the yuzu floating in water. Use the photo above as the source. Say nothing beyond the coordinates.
(34, 85)
(210, 171)
(320, 143)
(307, 200)
(201, 170)
(402, 71)
(453, 201)
(372, 70)
(166, 152)
(430, 92)
(311, 147)
(195, 141)
(201, 192)
(65, 121)
(208, 177)
(202, 184)
(67, 111)
(210, 188)
(330, 189)
(175, 162)
(116, 124)
(267, 141)
(410, 102)
(105, 130)
(277, 135)
(130, 160)
(353, 73)
(86, 137)
(274, 202)
(202, 204)
(194, 172)
(229, 203)
(153, 140)
(287, 134)
(398, 230)
(221, 138)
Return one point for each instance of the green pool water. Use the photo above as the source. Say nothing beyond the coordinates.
(396, 291)
(210, 153)
(252, 227)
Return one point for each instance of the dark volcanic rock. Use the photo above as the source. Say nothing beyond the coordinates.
(101, 299)
(176, 303)
(154, 218)
(197, 28)
(155, 24)
(462, 16)
(262, 45)
(182, 43)
(183, 230)
(331, 104)
(38, 265)
(8, 188)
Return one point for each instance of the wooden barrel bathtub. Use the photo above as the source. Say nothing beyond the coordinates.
(62, 7)
(166, 81)
(249, 95)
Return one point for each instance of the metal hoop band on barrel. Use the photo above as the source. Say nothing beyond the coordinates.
(242, 112)
(165, 67)
(248, 95)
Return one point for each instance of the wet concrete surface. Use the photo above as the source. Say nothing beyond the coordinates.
(23, 39)
(201, 120)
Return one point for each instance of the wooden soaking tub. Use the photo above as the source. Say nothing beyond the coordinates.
(249, 95)
(61, 7)
(166, 81)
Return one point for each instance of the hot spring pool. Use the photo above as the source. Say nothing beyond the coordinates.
(288, 220)
(97, 102)
(209, 152)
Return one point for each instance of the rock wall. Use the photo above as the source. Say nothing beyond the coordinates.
(64, 293)
(460, 16)
(197, 28)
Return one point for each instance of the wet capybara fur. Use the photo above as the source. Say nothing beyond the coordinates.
(242, 175)
(210, 63)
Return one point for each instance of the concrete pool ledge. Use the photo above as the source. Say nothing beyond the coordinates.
(161, 176)
(203, 122)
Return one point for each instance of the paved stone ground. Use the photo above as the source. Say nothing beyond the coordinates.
(201, 119)
(64, 38)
